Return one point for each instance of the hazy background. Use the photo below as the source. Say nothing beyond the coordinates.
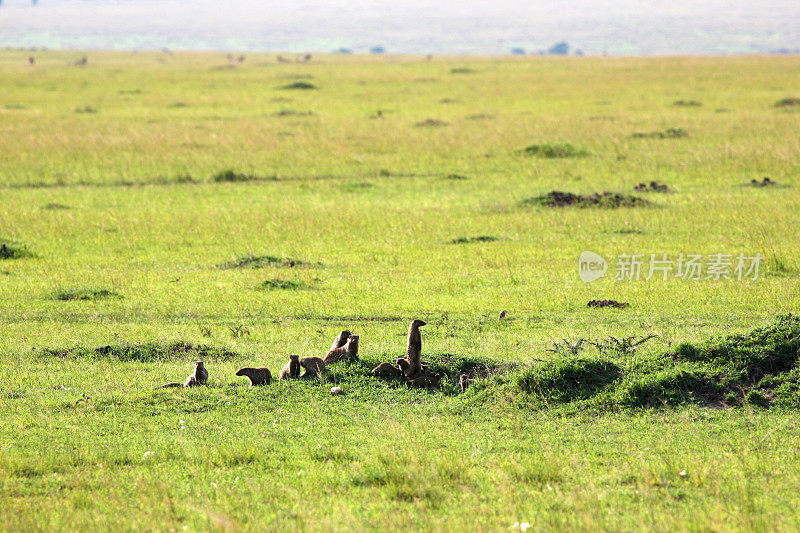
(409, 27)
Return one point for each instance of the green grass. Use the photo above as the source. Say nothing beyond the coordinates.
(188, 210)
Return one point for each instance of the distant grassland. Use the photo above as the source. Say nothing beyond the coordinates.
(154, 201)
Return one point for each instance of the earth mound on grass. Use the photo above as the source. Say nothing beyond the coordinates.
(148, 352)
(607, 200)
(758, 368)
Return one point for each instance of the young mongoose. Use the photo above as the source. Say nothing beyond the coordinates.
(258, 376)
(387, 371)
(402, 364)
(349, 351)
(198, 377)
(414, 348)
(428, 381)
(292, 369)
(314, 366)
(340, 340)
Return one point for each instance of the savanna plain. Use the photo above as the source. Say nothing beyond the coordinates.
(158, 208)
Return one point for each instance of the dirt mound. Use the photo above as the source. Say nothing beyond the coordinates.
(604, 200)
(554, 151)
(431, 123)
(766, 182)
(272, 284)
(787, 102)
(608, 303)
(301, 85)
(143, 352)
(758, 368)
(8, 251)
(653, 186)
(471, 240)
(264, 261)
(669, 133)
(66, 295)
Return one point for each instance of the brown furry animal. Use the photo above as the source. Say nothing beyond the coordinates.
(349, 351)
(414, 349)
(387, 371)
(197, 378)
(428, 381)
(292, 369)
(314, 366)
(402, 364)
(257, 376)
(340, 340)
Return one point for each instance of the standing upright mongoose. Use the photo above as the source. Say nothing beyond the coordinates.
(198, 377)
(258, 376)
(314, 366)
(349, 351)
(414, 348)
(292, 369)
(340, 340)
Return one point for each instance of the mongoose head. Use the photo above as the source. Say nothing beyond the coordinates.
(352, 339)
(242, 372)
(402, 364)
(294, 357)
(417, 323)
(198, 364)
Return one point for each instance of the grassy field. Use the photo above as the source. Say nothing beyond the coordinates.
(154, 203)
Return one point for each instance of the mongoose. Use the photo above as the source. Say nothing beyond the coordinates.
(464, 381)
(428, 381)
(402, 364)
(198, 377)
(387, 371)
(414, 348)
(314, 366)
(292, 369)
(349, 351)
(502, 314)
(340, 340)
(257, 376)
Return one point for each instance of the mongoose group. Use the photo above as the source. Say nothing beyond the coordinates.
(411, 369)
